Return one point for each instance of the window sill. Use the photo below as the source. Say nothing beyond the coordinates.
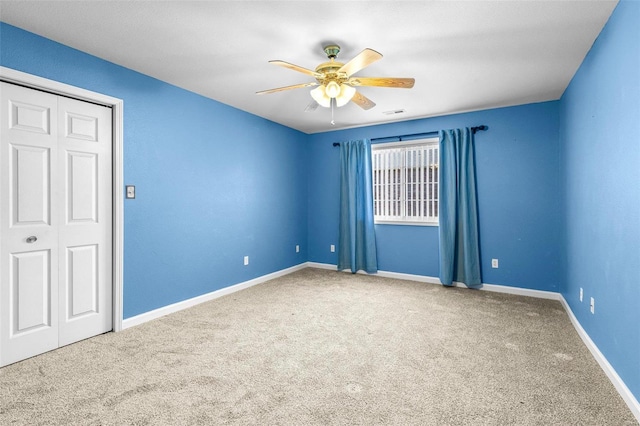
(399, 222)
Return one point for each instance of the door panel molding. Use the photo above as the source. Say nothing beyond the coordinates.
(23, 299)
(25, 161)
(117, 105)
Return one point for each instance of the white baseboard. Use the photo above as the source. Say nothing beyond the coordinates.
(620, 386)
(540, 294)
(179, 306)
(409, 277)
(321, 266)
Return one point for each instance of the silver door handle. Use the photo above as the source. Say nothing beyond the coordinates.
(32, 239)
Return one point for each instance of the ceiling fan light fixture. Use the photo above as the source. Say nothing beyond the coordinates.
(319, 94)
(343, 94)
(346, 93)
(333, 89)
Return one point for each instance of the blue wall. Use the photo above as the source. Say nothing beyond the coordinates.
(213, 183)
(518, 196)
(600, 159)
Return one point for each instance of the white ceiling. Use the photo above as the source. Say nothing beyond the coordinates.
(464, 55)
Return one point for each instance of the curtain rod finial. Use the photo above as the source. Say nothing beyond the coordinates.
(481, 127)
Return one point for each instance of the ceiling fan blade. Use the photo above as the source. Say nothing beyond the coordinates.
(313, 105)
(280, 89)
(362, 101)
(297, 68)
(362, 59)
(401, 83)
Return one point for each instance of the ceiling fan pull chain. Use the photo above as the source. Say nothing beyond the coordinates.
(333, 101)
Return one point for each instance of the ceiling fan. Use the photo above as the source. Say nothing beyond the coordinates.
(335, 80)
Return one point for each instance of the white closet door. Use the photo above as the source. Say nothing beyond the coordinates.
(84, 204)
(53, 271)
(28, 223)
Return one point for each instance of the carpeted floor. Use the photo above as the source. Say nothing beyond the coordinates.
(322, 347)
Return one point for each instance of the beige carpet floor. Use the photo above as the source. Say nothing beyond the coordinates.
(322, 347)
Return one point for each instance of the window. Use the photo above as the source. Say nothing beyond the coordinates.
(405, 182)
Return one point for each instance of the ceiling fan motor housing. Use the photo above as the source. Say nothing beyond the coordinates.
(329, 70)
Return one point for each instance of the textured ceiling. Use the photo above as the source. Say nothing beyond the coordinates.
(464, 55)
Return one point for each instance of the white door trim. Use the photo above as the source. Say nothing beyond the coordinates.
(117, 105)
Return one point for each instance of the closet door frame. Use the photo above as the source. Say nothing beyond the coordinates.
(18, 77)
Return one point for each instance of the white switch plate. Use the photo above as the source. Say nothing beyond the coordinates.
(246, 260)
(593, 306)
(131, 191)
(333, 248)
(494, 263)
(581, 294)
(297, 249)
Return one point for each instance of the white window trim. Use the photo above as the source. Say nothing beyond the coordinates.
(402, 144)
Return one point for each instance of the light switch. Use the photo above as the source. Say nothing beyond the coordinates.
(131, 191)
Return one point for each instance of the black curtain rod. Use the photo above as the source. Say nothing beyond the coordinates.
(473, 130)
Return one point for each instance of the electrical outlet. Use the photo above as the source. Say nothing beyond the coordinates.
(297, 249)
(593, 306)
(333, 248)
(246, 260)
(581, 294)
(494, 263)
